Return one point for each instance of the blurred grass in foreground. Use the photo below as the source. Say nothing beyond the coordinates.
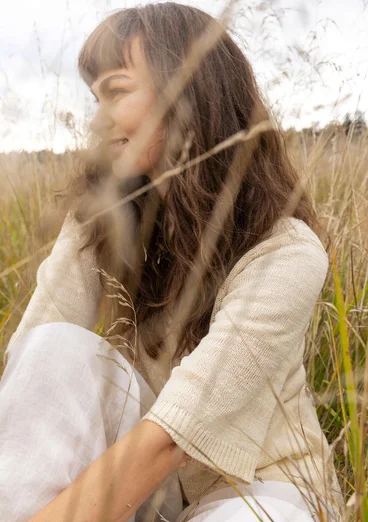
(336, 166)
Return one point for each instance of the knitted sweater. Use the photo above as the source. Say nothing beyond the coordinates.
(238, 403)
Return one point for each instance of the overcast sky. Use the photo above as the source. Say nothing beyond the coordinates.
(310, 59)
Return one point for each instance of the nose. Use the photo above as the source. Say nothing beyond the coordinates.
(101, 123)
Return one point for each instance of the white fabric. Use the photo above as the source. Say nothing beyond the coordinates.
(60, 409)
(263, 501)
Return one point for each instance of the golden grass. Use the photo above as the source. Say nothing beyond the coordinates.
(336, 166)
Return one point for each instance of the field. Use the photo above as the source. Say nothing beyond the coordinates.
(334, 164)
(336, 167)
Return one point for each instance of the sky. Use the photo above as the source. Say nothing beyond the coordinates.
(309, 57)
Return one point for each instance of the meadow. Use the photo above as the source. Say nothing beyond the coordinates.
(335, 165)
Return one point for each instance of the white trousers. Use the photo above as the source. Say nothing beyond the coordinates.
(62, 395)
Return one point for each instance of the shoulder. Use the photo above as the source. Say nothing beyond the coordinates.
(288, 235)
(295, 230)
(292, 251)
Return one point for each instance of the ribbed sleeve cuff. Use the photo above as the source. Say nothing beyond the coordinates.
(198, 442)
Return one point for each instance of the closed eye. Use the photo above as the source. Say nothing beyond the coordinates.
(111, 93)
(115, 92)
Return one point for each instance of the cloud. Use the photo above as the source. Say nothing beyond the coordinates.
(305, 55)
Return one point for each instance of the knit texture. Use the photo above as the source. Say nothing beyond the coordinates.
(238, 404)
(68, 289)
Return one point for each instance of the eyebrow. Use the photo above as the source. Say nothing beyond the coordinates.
(104, 84)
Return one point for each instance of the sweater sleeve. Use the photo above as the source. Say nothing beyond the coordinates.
(218, 403)
(68, 290)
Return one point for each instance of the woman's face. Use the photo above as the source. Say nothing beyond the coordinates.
(126, 98)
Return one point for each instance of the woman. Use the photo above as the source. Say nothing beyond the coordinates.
(207, 282)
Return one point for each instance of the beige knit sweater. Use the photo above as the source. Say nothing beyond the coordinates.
(239, 402)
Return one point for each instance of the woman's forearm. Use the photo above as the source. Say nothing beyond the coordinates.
(119, 481)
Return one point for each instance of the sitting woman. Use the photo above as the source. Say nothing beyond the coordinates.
(207, 278)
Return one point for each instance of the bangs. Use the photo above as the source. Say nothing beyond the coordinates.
(109, 45)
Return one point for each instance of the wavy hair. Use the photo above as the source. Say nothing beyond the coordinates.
(220, 99)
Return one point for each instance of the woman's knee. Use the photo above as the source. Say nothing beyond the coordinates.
(58, 342)
(79, 355)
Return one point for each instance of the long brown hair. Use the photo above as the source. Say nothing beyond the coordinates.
(220, 99)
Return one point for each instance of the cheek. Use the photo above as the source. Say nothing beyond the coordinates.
(132, 111)
(131, 114)
(128, 116)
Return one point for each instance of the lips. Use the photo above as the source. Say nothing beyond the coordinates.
(115, 146)
(118, 141)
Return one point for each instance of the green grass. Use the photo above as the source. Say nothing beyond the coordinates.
(337, 339)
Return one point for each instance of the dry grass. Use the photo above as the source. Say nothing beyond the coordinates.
(337, 338)
(336, 166)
